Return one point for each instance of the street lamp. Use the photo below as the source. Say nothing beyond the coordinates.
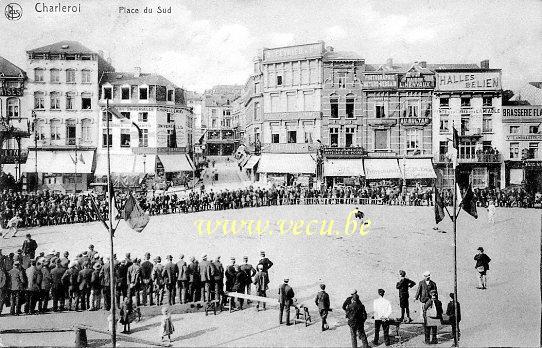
(144, 164)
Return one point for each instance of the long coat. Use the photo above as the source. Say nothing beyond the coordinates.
(206, 271)
(422, 293)
(286, 294)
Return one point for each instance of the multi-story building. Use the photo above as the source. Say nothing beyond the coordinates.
(470, 98)
(14, 124)
(292, 90)
(152, 132)
(217, 120)
(342, 115)
(396, 130)
(62, 95)
(194, 101)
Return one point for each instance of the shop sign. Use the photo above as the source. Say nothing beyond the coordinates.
(310, 50)
(418, 82)
(533, 164)
(525, 137)
(472, 81)
(522, 111)
(379, 81)
(343, 152)
(414, 121)
(11, 91)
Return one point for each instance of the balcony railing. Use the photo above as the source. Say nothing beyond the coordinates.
(475, 158)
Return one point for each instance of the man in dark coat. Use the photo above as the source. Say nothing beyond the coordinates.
(250, 272)
(403, 285)
(261, 281)
(182, 279)
(424, 288)
(84, 279)
(239, 284)
(356, 315)
(146, 277)
(450, 312)
(57, 287)
(122, 280)
(193, 279)
(230, 275)
(45, 287)
(322, 302)
(267, 264)
(18, 282)
(206, 278)
(218, 278)
(170, 278)
(29, 246)
(482, 266)
(33, 278)
(432, 312)
(286, 299)
(105, 277)
(134, 280)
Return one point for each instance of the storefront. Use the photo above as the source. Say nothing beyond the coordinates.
(528, 173)
(382, 172)
(287, 169)
(342, 171)
(417, 171)
(250, 167)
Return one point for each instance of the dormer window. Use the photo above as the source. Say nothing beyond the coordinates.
(143, 93)
(125, 93)
(108, 93)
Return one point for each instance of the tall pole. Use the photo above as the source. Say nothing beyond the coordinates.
(36, 149)
(456, 336)
(111, 256)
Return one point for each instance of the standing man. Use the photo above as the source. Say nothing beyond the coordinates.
(170, 278)
(250, 272)
(218, 279)
(45, 287)
(382, 313)
(70, 280)
(146, 276)
(29, 246)
(450, 312)
(230, 275)
(261, 281)
(182, 278)
(134, 281)
(105, 276)
(193, 278)
(482, 266)
(158, 280)
(424, 287)
(57, 287)
(96, 287)
(356, 315)
(403, 285)
(33, 276)
(267, 264)
(206, 277)
(286, 297)
(322, 302)
(18, 282)
(84, 279)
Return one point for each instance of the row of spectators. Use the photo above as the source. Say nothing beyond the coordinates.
(48, 208)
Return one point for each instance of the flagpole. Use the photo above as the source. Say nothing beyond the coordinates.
(456, 336)
(111, 257)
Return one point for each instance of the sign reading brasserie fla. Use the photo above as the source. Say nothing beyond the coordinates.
(471, 81)
(522, 111)
(379, 81)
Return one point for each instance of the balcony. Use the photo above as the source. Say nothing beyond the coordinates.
(379, 122)
(293, 115)
(476, 158)
(13, 156)
(289, 147)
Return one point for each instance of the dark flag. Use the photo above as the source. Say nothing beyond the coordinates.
(455, 138)
(439, 206)
(98, 212)
(133, 214)
(469, 203)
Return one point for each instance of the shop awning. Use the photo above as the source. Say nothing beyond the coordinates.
(55, 161)
(298, 163)
(128, 164)
(417, 168)
(176, 163)
(253, 160)
(344, 167)
(382, 168)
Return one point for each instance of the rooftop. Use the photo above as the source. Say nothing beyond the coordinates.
(124, 78)
(342, 55)
(69, 47)
(9, 69)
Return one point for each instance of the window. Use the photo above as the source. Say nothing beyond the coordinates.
(412, 109)
(55, 101)
(108, 93)
(86, 130)
(292, 136)
(533, 149)
(291, 101)
(275, 138)
(465, 125)
(467, 149)
(85, 76)
(275, 101)
(308, 101)
(55, 76)
(514, 129)
(349, 107)
(443, 148)
(104, 115)
(213, 123)
(256, 87)
(341, 79)
(70, 76)
(487, 101)
(70, 132)
(13, 107)
(40, 130)
(465, 102)
(533, 129)
(213, 112)
(479, 177)
(334, 102)
(444, 123)
(86, 101)
(413, 139)
(170, 95)
(143, 117)
(143, 93)
(256, 110)
(39, 100)
(125, 114)
(226, 113)
(125, 93)
(514, 150)
(349, 140)
(381, 139)
(55, 130)
(39, 75)
(144, 138)
(124, 138)
(308, 135)
(334, 136)
(379, 111)
(279, 80)
(169, 119)
(227, 122)
(487, 123)
(171, 138)
(105, 138)
(70, 98)
(444, 102)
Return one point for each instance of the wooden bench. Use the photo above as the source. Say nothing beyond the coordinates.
(233, 295)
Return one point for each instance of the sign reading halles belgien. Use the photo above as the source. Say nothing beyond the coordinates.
(469, 81)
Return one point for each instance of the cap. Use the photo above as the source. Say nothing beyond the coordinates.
(232, 258)
(402, 273)
(381, 292)
(169, 257)
(91, 246)
(260, 266)
(97, 265)
(433, 292)
(426, 273)
(322, 286)
(181, 256)
(245, 258)
(147, 254)
(480, 248)
(158, 258)
(354, 292)
(262, 253)
(286, 280)
(204, 256)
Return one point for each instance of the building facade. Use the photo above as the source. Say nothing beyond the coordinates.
(62, 96)
(471, 100)
(14, 119)
(150, 128)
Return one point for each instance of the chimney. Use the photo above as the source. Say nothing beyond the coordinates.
(389, 62)
(330, 48)
(423, 64)
(137, 71)
(484, 64)
(101, 53)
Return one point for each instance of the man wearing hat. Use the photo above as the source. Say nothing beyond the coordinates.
(134, 281)
(146, 277)
(29, 246)
(96, 287)
(193, 279)
(65, 261)
(432, 312)
(482, 266)
(218, 283)
(286, 298)
(84, 279)
(91, 252)
(105, 277)
(45, 286)
(57, 286)
(356, 315)
(170, 278)
(382, 314)
(70, 279)
(322, 302)
(158, 280)
(403, 285)
(206, 277)
(261, 281)
(250, 272)
(424, 287)
(33, 276)
(17, 281)
(265, 262)
(182, 278)
(230, 274)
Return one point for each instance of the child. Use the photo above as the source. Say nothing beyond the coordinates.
(126, 311)
(403, 285)
(166, 327)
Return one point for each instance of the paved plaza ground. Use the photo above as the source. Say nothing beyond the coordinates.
(506, 314)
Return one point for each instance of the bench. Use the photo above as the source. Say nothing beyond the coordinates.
(232, 295)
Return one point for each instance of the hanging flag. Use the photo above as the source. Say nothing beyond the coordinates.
(453, 147)
(74, 160)
(113, 111)
(469, 203)
(439, 206)
(133, 214)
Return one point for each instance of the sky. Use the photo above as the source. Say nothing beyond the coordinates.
(203, 43)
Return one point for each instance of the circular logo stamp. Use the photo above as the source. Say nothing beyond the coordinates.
(13, 11)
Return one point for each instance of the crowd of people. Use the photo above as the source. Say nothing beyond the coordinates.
(47, 208)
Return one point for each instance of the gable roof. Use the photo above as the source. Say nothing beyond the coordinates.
(70, 47)
(123, 78)
(9, 69)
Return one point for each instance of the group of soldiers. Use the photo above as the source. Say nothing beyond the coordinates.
(83, 283)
